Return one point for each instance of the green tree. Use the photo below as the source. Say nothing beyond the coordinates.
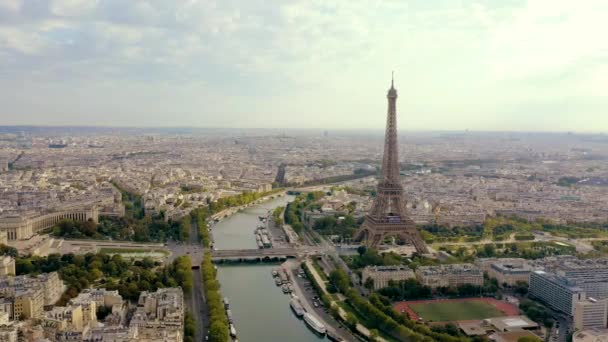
(369, 283)
(373, 335)
(339, 279)
(218, 332)
(189, 326)
(351, 321)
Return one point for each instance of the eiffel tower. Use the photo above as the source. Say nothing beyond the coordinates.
(388, 215)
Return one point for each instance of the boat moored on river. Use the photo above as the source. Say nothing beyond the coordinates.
(313, 323)
(232, 331)
(297, 307)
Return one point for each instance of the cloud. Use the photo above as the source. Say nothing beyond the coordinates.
(326, 63)
(10, 5)
(72, 8)
(17, 40)
(548, 37)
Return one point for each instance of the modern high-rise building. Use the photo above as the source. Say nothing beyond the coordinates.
(590, 313)
(555, 291)
(589, 274)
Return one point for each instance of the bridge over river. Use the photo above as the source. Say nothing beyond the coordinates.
(273, 253)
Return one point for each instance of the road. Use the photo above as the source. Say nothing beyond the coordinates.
(196, 301)
(559, 333)
(331, 249)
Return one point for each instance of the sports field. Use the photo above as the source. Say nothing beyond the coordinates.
(456, 309)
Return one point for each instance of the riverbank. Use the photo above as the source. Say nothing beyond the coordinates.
(305, 297)
(316, 277)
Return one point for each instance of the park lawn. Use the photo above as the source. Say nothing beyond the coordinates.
(455, 311)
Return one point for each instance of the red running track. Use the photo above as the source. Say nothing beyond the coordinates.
(507, 308)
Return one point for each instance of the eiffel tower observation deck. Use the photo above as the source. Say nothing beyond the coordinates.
(388, 216)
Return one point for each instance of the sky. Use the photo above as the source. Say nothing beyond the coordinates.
(537, 65)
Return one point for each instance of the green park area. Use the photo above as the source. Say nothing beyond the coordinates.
(446, 311)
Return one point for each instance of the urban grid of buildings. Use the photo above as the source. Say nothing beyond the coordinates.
(457, 179)
(28, 312)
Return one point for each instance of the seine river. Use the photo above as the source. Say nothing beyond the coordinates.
(261, 311)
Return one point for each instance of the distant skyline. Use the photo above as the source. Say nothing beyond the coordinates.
(537, 65)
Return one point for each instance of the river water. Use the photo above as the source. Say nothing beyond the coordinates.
(236, 231)
(260, 309)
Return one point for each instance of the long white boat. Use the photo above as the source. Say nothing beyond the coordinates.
(314, 323)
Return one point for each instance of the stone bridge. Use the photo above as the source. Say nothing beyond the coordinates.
(254, 254)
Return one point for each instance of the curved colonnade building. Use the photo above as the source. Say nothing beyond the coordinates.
(24, 226)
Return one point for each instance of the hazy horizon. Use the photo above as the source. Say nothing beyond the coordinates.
(373, 131)
(507, 66)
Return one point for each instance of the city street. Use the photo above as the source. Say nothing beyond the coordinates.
(196, 301)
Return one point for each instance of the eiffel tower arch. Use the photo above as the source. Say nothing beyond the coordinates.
(388, 216)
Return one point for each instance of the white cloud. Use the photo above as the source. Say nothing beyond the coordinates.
(549, 36)
(28, 43)
(10, 5)
(329, 62)
(72, 8)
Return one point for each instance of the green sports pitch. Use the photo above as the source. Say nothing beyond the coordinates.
(440, 311)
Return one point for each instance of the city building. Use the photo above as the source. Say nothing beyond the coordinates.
(7, 265)
(8, 333)
(591, 335)
(498, 324)
(381, 275)
(555, 291)
(110, 333)
(51, 284)
(88, 307)
(510, 273)
(159, 316)
(24, 226)
(7, 307)
(29, 303)
(512, 336)
(25, 296)
(589, 274)
(590, 313)
(449, 275)
(65, 318)
(101, 297)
